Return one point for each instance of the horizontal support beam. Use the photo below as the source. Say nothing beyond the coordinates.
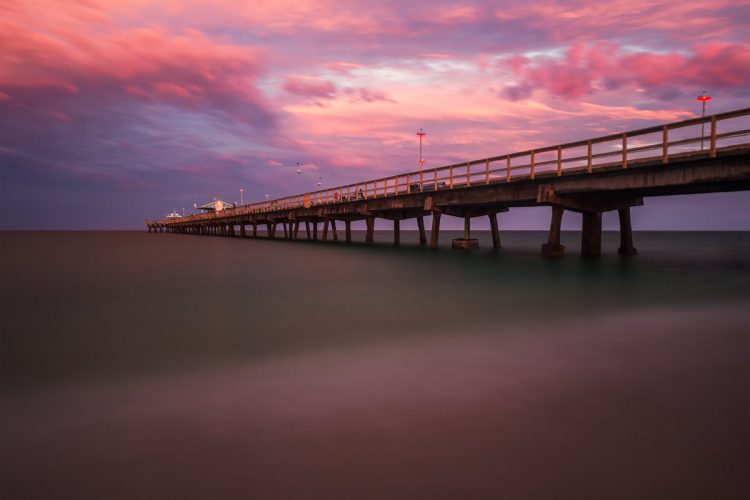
(586, 203)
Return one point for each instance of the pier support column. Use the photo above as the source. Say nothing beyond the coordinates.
(255, 229)
(315, 231)
(243, 234)
(435, 229)
(268, 230)
(333, 230)
(626, 233)
(231, 229)
(370, 236)
(296, 230)
(591, 234)
(325, 230)
(348, 231)
(495, 231)
(465, 243)
(396, 232)
(307, 229)
(286, 232)
(553, 248)
(422, 235)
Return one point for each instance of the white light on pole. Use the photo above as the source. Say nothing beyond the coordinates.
(242, 200)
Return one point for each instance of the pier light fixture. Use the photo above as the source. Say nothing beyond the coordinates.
(242, 200)
(421, 133)
(299, 172)
(704, 98)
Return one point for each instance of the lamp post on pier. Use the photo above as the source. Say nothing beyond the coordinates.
(704, 98)
(242, 191)
(421, 133)
(299, 172)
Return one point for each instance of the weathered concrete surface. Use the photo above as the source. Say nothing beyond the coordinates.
(465, 244)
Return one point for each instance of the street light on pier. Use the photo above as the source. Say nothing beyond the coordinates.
(421, 133)
(704, 98)
(242, 201)
(299, 173)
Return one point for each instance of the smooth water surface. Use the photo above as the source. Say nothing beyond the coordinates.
(140, 365)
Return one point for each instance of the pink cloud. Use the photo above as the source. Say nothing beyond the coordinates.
(343, 67)
(587, 69)
(309, 87)
(188, 69)
(361, 94)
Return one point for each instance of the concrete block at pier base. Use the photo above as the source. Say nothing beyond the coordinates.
(552, 250)
(465, 244)
(627, 250)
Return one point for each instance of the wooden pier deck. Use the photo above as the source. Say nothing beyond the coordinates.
(612, 172)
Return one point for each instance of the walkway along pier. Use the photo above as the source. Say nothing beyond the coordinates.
(593, 176)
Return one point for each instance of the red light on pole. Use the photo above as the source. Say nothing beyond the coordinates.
(704, 98)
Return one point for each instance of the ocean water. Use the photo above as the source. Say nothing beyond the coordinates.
(140, 365)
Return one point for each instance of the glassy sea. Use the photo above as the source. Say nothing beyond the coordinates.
(150, 366)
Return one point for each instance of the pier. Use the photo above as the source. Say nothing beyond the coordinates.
(592, 176)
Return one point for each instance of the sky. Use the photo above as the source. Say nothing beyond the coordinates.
(118, 111)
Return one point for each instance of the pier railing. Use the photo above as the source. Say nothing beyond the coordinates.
(661, 143)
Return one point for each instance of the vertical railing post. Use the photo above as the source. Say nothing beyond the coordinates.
(559, 161)
(396, 193)
(408, 183)
(624, 150)
(366, 189)
(487, 172)
(451, 177)
(533, 163)
(421, 180)
(591, 163)
(349, 193)
(434, 180)
(468, 174)
(507, 167)
(713, 136)
(665, 144)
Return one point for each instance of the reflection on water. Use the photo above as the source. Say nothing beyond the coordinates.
(139, 365)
